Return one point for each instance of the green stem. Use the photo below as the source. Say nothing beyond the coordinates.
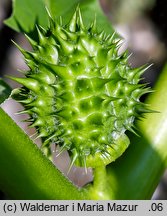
(98, 190)
(25, 173)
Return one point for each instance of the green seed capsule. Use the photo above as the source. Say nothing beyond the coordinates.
(80, 93)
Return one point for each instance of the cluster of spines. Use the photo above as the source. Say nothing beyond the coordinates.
(79, 92)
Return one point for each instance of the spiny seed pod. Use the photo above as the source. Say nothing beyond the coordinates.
(80, 93)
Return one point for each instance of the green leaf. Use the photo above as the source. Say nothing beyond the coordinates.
(27, 13)
(5, 91)
(89, 9)
(25, 172)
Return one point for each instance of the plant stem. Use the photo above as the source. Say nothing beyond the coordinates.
(25, 173)
(99, 190)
